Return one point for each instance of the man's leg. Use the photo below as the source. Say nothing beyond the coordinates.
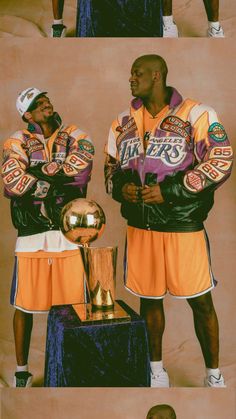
(22, 324)
(167, 7)
(169, 27)
(206, 328)
(153, 313)
(58, 6)
(207, 331)
(58, 29)
(212, 11)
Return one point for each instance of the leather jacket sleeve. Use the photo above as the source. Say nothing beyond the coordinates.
(20, 178)
(212, 164)
(15, 169)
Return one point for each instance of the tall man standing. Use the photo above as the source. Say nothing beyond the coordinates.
(165, 158)
(45, 166)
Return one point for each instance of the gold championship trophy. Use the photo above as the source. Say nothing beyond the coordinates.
(83, 221)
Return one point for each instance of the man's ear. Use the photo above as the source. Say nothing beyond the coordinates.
(156, 76)
(28, 116)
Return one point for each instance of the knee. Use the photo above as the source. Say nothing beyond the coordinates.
(151, 306)
(202, 305)
(153, 313)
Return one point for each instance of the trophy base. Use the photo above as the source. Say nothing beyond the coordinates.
(87, 315)
(102, 308)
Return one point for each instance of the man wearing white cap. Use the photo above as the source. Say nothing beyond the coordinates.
(45, 166)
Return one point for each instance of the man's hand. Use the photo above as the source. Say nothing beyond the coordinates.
(152, 194)
(131, 193)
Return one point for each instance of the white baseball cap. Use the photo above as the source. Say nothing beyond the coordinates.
(26, 98)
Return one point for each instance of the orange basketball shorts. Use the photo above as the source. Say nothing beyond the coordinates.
(42, 279)
(160, 262)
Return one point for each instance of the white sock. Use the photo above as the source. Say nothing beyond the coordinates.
(20, 368)
(215, 25)
(58, 22)
(213, 371)
(156, 366)
(168, 20)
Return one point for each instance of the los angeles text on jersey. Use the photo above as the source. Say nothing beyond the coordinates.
(170, 150)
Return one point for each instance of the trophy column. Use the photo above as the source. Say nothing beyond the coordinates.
(83, 221)
(100, 268)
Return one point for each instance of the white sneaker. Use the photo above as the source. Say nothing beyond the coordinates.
(170, 31)
(215, 33)
(160, 380)
(213, 381)
(23, 379)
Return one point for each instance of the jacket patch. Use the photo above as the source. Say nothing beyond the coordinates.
(211, 171)
(51, 168)
(13, 176)
(221, 165)
(76, 161)
(25, 183)
(178, 126)
(70, 170)
(9, 165)
(42, 188)
(217, 132)
(62, 139)
(59, 157)
(126, 129)
(86, 146)
(35, 162)
(194, 181)
(223, 152)
(33, 144)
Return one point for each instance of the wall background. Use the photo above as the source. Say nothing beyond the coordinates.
(87, 82)
(133, 404)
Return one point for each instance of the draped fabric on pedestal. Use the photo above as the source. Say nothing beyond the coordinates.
(101, 355)
(119, 18)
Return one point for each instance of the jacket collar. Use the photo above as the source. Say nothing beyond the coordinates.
(35, 128)
(175, 100)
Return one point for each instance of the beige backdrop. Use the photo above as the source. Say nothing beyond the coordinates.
(34, 18)
(87, 81)
(131, 404)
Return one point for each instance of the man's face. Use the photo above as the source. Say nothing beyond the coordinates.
(141, 79)
(41, 110)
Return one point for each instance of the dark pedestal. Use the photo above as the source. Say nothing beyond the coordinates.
(119, 18)
(95, 355)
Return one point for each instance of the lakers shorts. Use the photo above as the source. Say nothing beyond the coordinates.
(42, 279)
(160, 262)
